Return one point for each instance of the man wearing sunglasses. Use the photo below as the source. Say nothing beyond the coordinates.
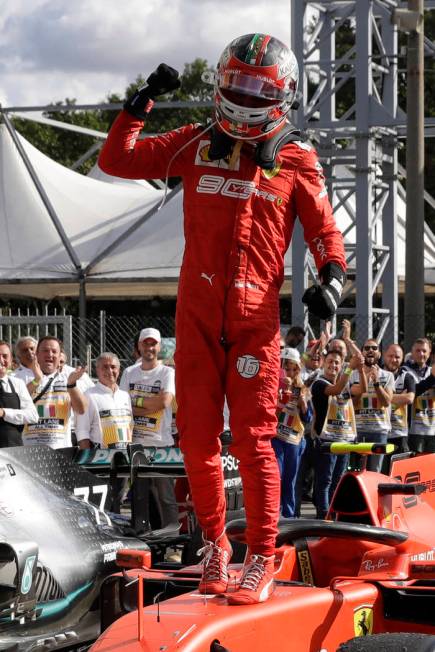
(372, 408)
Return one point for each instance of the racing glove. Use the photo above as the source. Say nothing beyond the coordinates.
(322, 300)
(162, 80)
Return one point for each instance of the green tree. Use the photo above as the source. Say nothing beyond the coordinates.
(66, 147)
(63, 146)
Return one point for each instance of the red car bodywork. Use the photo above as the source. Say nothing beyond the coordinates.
(370, 570)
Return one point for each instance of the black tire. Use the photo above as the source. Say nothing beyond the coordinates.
(400, 642)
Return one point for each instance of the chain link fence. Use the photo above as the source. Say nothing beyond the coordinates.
(117, 334)
(85, 339)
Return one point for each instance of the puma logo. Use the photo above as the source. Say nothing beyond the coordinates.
(208, 278)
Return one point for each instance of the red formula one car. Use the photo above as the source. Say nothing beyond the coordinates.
(364, 579)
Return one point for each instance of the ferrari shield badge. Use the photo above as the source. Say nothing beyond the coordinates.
(363, 620)
(269, 174)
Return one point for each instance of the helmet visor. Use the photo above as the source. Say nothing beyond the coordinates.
(251, 85)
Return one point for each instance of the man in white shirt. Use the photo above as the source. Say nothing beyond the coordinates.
(25, 353)
(151, 386)
(25, 350)
(16, 405)
(55, 394)
(107, 421)
(372, 408)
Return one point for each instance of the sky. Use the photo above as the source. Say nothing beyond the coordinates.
(86, 49)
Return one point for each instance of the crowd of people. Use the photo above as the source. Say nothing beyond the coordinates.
(332, 391)
(336, 391)
(43, 400)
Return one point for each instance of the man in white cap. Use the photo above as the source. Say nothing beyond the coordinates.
(151, 385)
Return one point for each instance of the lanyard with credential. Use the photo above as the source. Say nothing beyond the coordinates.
(46, 387)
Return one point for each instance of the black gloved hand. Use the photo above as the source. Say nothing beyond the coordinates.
(322, 300)
(162, 80)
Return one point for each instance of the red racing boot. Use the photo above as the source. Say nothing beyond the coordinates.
(217, 556)
(257, 583)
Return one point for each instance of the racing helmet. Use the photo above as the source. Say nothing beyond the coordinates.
(254, 86)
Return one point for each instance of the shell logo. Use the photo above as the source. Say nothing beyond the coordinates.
(203, 153)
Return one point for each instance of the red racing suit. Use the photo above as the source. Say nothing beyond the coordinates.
(238, 225)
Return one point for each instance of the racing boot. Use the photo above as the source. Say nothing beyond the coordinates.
(256, 584)
(217, 556)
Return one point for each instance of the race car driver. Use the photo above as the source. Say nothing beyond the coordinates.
(246, 177)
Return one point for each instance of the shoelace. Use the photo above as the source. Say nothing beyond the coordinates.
(213, 555)
(254, 573)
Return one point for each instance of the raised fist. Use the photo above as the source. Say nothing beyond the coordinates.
(163, 80)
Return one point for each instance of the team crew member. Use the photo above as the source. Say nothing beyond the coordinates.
(108, 419)
(246, 177)
(289, 443)
(334, 420)
(151, 386)
(25, 352)
(404, 394)
(372, 406)
(16, 405)
(422, 427)
(55, 394)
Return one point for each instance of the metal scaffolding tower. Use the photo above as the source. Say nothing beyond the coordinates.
(349, 109)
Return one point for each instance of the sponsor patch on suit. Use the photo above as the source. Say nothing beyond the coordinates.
(202, 158)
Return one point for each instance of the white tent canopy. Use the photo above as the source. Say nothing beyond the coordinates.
(122, 244)
(95, 216)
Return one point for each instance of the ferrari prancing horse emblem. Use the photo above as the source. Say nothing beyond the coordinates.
(363, 620)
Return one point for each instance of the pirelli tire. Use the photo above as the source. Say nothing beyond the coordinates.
(399, 642)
